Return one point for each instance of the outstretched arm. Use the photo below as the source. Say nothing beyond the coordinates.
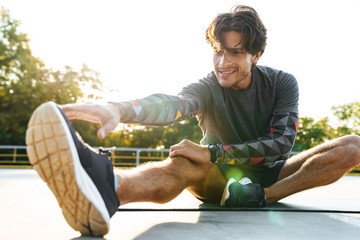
(158, 109)
(155, 110)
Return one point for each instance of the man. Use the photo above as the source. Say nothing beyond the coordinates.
(249, 118)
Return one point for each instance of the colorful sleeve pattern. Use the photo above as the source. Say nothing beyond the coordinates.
(158, 109)
(274, 146)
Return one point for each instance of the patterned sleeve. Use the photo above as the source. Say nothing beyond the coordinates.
(280, 140)
(158, 109)
(274, 146)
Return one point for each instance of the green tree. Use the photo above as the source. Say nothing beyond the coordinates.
(188, 129)
(348, 116)
(25, 83)
(17, 68)
(312, 133)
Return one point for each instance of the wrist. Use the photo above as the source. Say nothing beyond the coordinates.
(114, 109)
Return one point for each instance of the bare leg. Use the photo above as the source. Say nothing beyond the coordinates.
(159, 182)
(211, 188)
(316, 167)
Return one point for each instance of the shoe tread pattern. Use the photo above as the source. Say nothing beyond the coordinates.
(49, 153)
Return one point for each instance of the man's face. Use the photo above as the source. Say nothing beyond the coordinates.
(233, 64)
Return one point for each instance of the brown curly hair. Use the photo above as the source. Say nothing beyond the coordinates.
(242, 19)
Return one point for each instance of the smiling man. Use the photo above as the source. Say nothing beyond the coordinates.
(233, 63)
(249, 118)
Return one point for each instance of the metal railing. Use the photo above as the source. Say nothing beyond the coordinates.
(16, 156)
(13, 156)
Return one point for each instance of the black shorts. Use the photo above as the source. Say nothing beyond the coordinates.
(264, 177)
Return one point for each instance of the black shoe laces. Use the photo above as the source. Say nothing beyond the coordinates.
(105, 152)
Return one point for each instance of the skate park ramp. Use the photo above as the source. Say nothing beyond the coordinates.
(28, 210)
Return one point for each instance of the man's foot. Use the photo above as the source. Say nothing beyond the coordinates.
(243, 194)
(81, 179)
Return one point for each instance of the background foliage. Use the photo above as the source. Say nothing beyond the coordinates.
(25, 83)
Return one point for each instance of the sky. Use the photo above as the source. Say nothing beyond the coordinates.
(142, 47)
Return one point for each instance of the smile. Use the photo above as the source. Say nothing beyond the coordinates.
(227, 71)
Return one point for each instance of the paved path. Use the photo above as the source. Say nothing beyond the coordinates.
(28, 210)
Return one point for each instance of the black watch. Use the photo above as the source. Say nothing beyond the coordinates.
(213, 148)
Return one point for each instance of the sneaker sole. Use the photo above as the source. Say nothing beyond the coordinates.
(226, 192)
(52, 152)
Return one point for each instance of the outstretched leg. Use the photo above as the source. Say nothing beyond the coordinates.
(82, 179)
(316, 167)
(159, 182)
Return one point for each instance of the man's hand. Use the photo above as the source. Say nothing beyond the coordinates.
(190, 150)
(108, 115)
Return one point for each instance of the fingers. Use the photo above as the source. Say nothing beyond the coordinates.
(177, 146)
(172, 152)
(191, 151)
(110, 121)
(102, 133)
(87, 112)
(180, 149)
(107, 127)
(177, 152)
(107, 115)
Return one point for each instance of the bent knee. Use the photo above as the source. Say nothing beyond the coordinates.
(186, 169)
(351, 140)
(351, 143)
(210, 189)
(351, 146)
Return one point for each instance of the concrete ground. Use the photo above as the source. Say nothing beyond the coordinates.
(28, 210)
